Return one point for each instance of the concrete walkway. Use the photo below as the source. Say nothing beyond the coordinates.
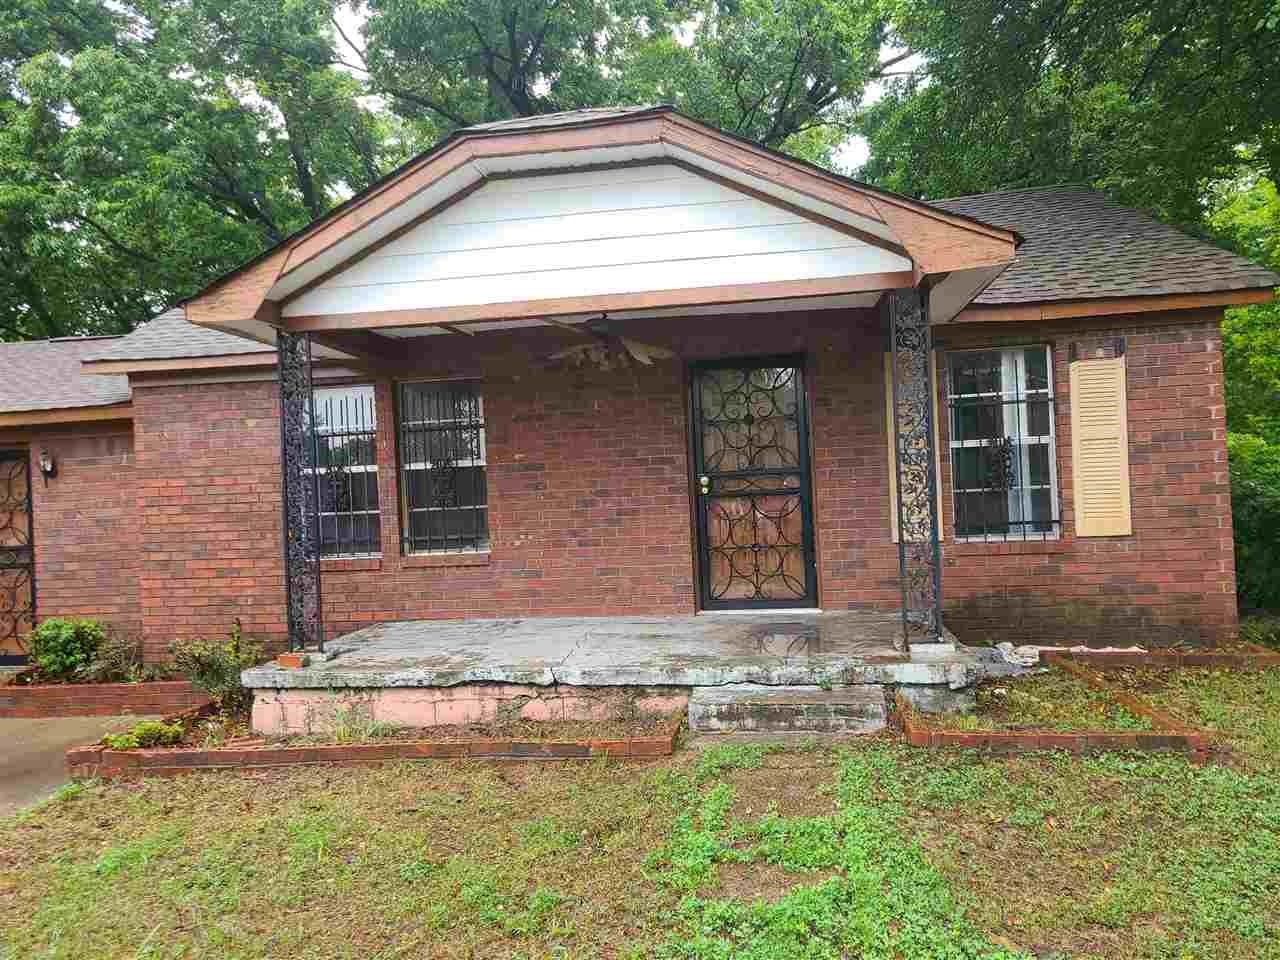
(31, 766)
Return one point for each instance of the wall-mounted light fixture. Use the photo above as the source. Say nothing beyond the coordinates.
(48, 466)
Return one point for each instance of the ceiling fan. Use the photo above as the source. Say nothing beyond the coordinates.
(605, 349)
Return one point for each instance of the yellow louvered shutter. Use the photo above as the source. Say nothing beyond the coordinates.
(890, 433)
(1100, 448)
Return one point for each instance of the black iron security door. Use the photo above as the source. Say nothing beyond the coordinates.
(754, 493)
(17, 554)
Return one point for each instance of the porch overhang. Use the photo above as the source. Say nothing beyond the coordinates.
(901, 243)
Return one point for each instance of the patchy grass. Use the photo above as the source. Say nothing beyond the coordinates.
(1242, 708)
(1044, 701)
(744, 851)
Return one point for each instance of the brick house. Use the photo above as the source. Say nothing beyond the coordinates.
(615, 362)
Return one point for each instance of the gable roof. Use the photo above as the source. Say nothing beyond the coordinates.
(38, 375)
(248, 300)
(1078, 245)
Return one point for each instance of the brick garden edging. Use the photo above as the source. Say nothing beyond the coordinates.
(1259, 659)
(1170, 733)
(98, 699)
(98, 761)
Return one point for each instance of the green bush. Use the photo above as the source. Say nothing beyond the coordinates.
(119, 660)
(146, 733)
(214, 666)
(1255, 506)
(61, 648)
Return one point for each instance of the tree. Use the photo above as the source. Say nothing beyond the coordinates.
(148, 148)
(1147, 99)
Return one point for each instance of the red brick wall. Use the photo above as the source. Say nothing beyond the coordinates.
(1173, 580)
(86, 526)
(590, 492)
(208, 495)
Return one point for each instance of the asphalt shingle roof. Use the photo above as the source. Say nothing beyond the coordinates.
(46, 375)
(1079, 245)
(564, 118)
(169, 336)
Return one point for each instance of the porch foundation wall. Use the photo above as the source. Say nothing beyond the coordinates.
(302, 711)
(590, 500)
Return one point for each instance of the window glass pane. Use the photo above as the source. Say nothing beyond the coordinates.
(1037, 367)
(1037, 416)
(976, 420)
(975, 373)
(1003, 483)
(1038, 464)
(442, 452)
(982, 514)
(449, 529)
(343, 453)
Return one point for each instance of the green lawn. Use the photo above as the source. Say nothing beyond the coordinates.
(875, 850)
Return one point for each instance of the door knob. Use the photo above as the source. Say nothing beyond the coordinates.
(705, 484)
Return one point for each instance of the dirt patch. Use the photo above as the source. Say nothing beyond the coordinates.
(522, 730)
(804, 790)
(763, 881)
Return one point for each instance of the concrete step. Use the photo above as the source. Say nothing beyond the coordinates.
(752, 708)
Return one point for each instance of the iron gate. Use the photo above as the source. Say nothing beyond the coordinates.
(17, 554)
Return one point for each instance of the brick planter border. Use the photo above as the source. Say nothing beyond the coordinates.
(98, 699)
(1170, 734)
(1260, 659)
(98, 761)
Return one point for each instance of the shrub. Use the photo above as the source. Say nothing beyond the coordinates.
(214, 666)
(61, 648)
(146, 733)
(119, 660)
(1255, 507)
(1263, 630)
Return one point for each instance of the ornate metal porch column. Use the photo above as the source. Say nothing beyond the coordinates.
(299, 494)
(919, 555)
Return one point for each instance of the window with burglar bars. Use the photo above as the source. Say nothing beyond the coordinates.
(442, 467)
(343, 457)
(1004, 470)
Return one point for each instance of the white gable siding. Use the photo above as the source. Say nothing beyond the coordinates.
(627, 230)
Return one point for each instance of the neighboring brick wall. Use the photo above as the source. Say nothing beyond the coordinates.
(165, 697)
(589, 485)
(86, 526)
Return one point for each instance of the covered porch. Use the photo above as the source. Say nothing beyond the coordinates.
(428, 673)
(581, 239)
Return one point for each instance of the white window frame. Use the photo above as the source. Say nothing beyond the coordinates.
(480, 461)
(318, 471)
(1012, 372)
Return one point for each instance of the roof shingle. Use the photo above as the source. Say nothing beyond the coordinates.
(169, 336)
(1078, 245)
(46, 375)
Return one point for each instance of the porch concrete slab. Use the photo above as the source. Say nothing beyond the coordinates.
(695, 651)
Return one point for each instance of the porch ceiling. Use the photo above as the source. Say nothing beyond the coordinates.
(787, 231)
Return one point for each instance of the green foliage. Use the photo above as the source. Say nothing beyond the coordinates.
(146, 733)
(61, 648)
(886, 901)
(1255, 505)
(214, 666)
(1263, 631)
(119, 660)
(1147, 100)
(355, 724)
(723, 757)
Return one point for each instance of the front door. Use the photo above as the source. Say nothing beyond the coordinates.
(17, 559)
(754, 494)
